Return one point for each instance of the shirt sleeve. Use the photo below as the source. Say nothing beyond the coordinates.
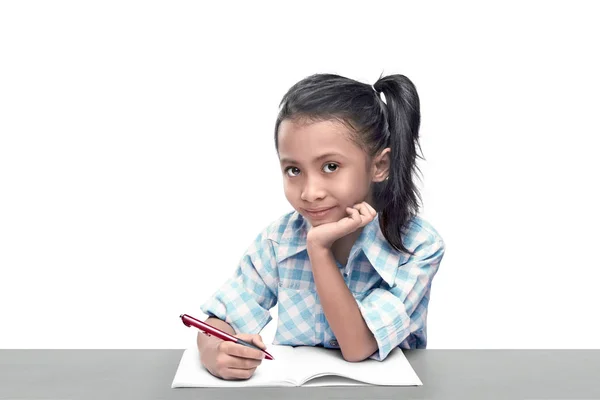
(393, 313)
(245, 299)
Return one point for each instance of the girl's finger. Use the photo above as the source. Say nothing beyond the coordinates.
(239, 374)
(371, 208)
(238, 350)
(363, 207)
(240, 362)
(257, 340)
(365, 211)
(354, 216)
(357, 217)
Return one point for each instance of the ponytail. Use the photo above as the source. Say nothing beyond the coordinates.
(398, 197)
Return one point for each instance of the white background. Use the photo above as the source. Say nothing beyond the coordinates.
(137, 160)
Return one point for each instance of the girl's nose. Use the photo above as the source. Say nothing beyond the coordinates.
(312, 191)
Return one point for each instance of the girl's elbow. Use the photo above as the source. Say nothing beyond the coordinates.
(359, 351)
(355, 356)
(349, 357)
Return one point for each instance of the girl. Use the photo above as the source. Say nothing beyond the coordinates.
(351, 267)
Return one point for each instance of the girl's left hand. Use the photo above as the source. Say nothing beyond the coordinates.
(323, 236)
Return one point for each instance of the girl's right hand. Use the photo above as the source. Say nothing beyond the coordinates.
(232, 361)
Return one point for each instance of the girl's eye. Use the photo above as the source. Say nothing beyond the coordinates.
(329, 168)
(334, 166)
(288, 169)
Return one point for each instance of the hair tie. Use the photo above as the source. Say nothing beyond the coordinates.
(380, 94)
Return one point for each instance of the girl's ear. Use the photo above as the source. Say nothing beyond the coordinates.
(380, 166)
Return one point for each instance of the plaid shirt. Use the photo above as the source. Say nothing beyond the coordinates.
(391, 288)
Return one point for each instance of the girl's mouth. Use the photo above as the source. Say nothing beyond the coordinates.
(319, 214)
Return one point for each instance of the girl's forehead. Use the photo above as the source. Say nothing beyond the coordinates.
(314, 135)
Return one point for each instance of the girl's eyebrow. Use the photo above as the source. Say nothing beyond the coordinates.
(289, 160)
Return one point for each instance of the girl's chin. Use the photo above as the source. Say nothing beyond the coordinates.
(316, 223)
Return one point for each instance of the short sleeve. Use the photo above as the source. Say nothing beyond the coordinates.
(245, 299)
(393, 313)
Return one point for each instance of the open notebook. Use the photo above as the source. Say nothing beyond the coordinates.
(303, 366)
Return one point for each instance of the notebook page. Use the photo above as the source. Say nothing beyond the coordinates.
(314, 362)
(191, 373)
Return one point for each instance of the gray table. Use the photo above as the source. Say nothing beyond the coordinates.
(147, 374)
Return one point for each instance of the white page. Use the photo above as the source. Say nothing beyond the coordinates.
(315, 362)
(191, 373)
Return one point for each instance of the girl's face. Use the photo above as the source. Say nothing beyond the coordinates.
(322, 169)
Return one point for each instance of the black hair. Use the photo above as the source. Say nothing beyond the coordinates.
(375, 125)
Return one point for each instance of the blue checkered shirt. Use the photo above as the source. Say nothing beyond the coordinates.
(391, 288)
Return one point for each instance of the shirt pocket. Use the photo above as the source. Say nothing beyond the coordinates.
(296, 319)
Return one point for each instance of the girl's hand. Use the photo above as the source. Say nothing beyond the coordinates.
(323, 236)
(232, 361)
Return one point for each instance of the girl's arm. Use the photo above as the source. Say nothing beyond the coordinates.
(354, 337)
(245, 299)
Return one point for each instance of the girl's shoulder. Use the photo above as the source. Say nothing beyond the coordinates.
(287, 228)
(418, 229)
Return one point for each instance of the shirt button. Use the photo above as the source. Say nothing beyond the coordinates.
(333, 343)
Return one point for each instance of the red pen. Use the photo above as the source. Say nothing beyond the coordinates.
(211, 330)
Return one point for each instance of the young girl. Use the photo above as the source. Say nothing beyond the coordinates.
(351, 267)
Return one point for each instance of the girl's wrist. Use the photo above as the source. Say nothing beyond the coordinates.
(317, 248)
(313, 243)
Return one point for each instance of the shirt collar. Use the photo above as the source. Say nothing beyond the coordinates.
(371, 241)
